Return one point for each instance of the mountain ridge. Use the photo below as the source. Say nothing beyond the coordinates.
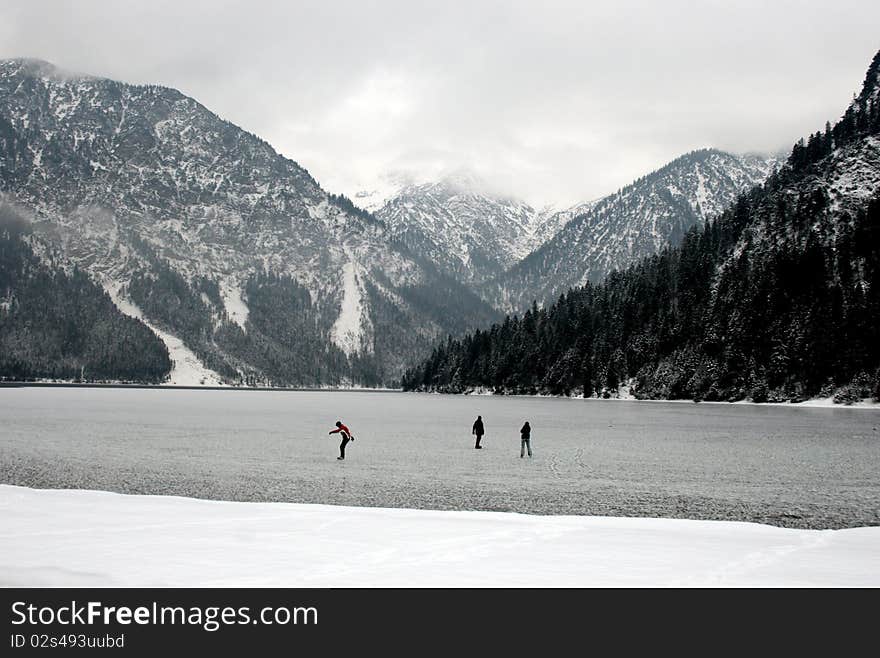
(140, 184)
(462, 226)
(491, 241)
(637, 220)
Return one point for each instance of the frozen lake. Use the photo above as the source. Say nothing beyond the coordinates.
(798, 467)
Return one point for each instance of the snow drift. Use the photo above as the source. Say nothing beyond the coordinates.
(89, 538)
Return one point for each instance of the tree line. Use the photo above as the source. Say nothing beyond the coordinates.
(57, 323)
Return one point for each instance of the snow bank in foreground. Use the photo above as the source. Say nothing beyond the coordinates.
(89, 538)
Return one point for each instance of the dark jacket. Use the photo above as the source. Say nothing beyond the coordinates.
(478, 427)
(526, 431)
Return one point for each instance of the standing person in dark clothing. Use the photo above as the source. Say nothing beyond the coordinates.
(346, 437)
(526, 434)
(478, 431)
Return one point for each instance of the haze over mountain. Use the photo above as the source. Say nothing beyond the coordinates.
(465, 229)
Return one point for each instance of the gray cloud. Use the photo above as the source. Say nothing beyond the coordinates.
(552, 100)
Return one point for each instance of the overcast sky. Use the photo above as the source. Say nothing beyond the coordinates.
(553, 101)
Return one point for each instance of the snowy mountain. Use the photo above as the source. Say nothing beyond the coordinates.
(217, 242)
(248, 270)
(775, 299)
(637, 221)
(510, 253)
(464, 228)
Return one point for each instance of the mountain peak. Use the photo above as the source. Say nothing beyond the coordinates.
(38, 68)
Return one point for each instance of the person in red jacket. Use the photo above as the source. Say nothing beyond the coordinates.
(346, 437)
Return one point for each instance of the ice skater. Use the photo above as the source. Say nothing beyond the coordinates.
(346, 437)
(478, 431)
(526, 434)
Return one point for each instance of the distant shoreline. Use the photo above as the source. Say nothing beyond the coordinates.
(174, 387)
(813, 403)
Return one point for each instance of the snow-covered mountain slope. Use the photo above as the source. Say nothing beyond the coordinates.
(510, 253)
(638, 220)
(828, 180)
(238, 255)
(551, 220)
(196, 221)
(465, 229)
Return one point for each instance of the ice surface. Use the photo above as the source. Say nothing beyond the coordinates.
(780, 465)
(87, 538)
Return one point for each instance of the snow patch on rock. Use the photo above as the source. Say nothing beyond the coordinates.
(236, 308)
